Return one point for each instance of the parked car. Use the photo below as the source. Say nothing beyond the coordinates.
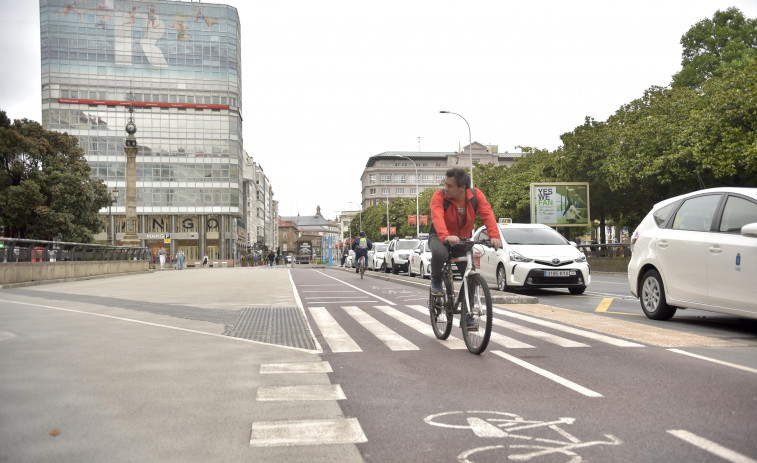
(350, 260)
(397, 256)
(376, 256)
(532, 256)
(697, 251)
(420, 260)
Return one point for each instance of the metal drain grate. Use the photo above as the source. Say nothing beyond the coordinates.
(284, 326)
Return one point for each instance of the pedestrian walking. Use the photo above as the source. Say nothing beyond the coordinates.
(255, 257)
(271, 257)
(162, 257)
(180, 259)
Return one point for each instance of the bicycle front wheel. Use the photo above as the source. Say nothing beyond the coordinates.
(362, 268)
(476, 317)
(440, 310)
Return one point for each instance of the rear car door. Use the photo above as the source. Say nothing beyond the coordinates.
(732, 259)
(682, 249)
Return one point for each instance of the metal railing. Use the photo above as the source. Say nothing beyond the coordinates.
(606, 250)
(25, 250)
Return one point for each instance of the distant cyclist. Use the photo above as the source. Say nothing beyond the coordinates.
(453, 213)
(361, 246)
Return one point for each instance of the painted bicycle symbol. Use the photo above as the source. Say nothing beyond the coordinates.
(533, 439)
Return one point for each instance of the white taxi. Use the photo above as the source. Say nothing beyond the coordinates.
(420, 260)
(532, 256)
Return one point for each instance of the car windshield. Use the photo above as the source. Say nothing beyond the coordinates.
(533, 236)
(406, 244)
(381, 247)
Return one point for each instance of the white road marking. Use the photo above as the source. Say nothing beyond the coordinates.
(549, 375)
(302, 392)
(358, 289)
(335, 336)
(551, 338)
(306, 432)
(389, 337)
(712, 447)
(720, 362)
(295, 367)
(158, 325)
(497, 338)
(570, 329)
(423, 328)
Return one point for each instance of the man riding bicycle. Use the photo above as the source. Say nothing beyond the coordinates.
(361, 246)
(453, 214)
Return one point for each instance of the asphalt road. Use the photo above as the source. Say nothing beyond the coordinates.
(548, 389)
(163, 367)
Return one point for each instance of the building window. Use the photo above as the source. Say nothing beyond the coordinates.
(372, 191)
(373, 179)
(412, 178)
(428, 178)
(412, 191)
(385, 178)
(440, 178)
(385, 191)
(399, 191)
(285, 235)
(399, 178)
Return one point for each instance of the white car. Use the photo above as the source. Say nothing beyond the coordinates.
(350, 260)
(397, 256)
(697, 251)
(532, 256)
(376, 256)
(420, 260)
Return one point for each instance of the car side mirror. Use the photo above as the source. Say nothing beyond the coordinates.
(417, 251)
(749, 230)
(573, 243)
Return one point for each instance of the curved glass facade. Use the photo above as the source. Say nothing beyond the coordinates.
(178, 65)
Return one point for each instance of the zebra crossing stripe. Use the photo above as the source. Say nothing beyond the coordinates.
(423, 328)
(295, 367)
(389, 337)
(551, 338)
(497, 338)
(570, 329)
(306, 432)
(337, 339)
(301, 392)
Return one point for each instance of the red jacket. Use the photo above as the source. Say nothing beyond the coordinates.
(446, 224)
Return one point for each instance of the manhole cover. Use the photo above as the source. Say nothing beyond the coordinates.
(285, 326)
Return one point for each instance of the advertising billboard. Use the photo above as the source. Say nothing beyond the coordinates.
(560, 204)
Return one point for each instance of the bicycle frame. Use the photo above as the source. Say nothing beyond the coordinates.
(470, 269)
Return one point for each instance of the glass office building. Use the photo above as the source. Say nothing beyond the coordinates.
(178, 65)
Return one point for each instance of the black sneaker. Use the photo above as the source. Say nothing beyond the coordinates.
(436, 287)
(470, 323)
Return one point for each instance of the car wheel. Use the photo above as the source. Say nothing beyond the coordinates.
(423, 272)
(577, 289)
(501, 278)
(395, 270)
(652, 297)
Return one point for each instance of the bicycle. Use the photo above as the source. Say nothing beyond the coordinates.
(476, 308)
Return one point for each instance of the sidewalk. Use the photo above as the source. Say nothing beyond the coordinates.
(139, 368)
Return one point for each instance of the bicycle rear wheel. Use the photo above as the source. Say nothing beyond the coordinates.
(480, 313)
(362, 267)
(440, 309)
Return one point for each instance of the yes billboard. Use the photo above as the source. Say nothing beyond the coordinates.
(560, 204)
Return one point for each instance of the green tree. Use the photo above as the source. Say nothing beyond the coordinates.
(728, 40)
(46, 190)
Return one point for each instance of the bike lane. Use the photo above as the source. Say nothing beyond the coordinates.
(434, 403)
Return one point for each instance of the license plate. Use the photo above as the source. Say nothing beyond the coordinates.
(559, 273)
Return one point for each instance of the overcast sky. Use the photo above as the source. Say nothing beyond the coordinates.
(327, 84)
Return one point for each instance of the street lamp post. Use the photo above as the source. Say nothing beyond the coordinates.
(470, 144)
(388, 235)
(113, 198)
(417, 217)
